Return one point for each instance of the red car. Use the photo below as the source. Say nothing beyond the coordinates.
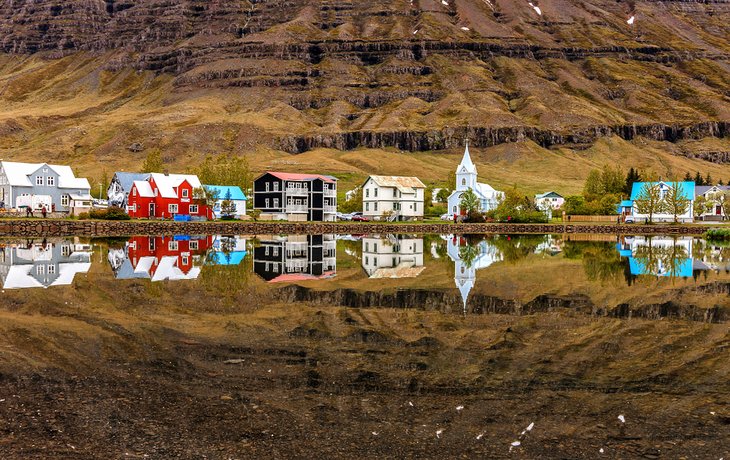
(360, 218)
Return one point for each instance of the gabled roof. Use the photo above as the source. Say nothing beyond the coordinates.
(144, 189)
(223, 190)
(297, 176)
(549, 194)
(166, 183)
(687, 189)
(402, 183)
(17, 174)
(702, 189)
(126, 179)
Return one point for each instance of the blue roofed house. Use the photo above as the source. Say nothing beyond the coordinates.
(232, 193)
(661, 214)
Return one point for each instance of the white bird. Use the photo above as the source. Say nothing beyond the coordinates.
(459, 408)
(465, 29)
(438, 432)
(410, 403)
(630, 21)
(479, 436)
(622, 419)
(375, 433)
(600, 450)
(529, 428)
(444, 2)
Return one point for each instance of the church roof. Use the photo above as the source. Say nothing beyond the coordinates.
(466, 162)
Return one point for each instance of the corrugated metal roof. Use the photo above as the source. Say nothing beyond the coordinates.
(299, 176)
(166, 183)
(687, 189)
(402, 183)
(144, 189)
(126, 179)
(17, 174)
(223, 192)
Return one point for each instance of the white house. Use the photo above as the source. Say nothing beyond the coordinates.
(686, 191)
(231, 193)
(714, 196)
(392, 256)
(549, 200)
(39, 185)
(466, 178)
(393, 198)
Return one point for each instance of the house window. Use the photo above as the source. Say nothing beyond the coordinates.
(65, 199)
(276, 186)
(367, 260)
(276, 252)
(152, 244)
(193, 209)
(65, 251)
(267, 186)
(375, 206)
(463, 181)
(184, 193)
(367, 193)
(375, 193)
(50, 181)
(367, 206)
(172, 245)
(366, 246)
(39, 180)
(266, 203)
(172, 208)
(266, 250)
(375, 247)
(193, 245)
(134, 191)
(40, 269)
(276, 202)
(185, 260)
(51, 269)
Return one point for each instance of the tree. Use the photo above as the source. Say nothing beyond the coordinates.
(676, 203)
(592, 188)
(469, 202)
(726, 204)
(688, 177)
(255, 214)
(649, 200)
(205, 196)
(708, 179)
(353, 204)
(224, 170)
(443, 195)
(631, 177)
(153, 162)
(698, 179)
(700, 206)
(228, 206)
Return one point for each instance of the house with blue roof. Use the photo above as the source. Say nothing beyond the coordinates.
(662, 213)
(660, 256)
(228, 192)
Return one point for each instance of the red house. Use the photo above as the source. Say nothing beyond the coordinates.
(166, 196)
(167, 257)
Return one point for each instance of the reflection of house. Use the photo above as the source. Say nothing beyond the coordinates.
(714, 196)
(43, 264)
(295, 197)
(466, 178)
(393, 256)
(120, 186)
(468, 258)
(160, 258)
(227, 250)
(394, 197)
(658, 255)
(295, 257)
(39, 184)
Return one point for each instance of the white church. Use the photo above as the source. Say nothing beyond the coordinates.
(466, 178)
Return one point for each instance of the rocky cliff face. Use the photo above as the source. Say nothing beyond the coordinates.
(415, 75)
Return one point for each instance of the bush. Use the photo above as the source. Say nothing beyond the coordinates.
(435, 211)
(718, 234)
(110, 213)
(83, 216)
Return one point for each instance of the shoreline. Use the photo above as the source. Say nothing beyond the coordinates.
(64, 227)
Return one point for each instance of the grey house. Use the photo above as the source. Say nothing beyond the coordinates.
(120, 186)
(38, 185)
(43, 264)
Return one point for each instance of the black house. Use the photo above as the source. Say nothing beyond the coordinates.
(296, 197)
(295, 257)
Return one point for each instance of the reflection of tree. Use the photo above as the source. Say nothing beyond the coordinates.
(469, 252)
(516, 247)
(654, 259)
(601, 261)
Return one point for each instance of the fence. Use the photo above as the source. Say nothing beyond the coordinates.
(612, 219)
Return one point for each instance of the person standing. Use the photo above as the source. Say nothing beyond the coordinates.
(44, 211)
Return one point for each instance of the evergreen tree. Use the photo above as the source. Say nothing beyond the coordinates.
(688, 177)
(698, 179)
(720, 182)
(631, 177)
(708, 179)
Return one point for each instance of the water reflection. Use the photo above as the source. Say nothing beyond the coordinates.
(160, 258)
(392, 256)
(469, 255)
(658, 255)
(40, 264)
(295, 257)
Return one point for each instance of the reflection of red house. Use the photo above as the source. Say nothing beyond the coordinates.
(167, 257)
(165, 196)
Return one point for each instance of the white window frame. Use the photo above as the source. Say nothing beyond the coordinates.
(172, 208)
(193, 245)
(185, 193)
(276, 202)
(39, 180)
(65, 199)
(51, 269)
(266, 185)
(172, 245)
(50, 181)
(185, 260)
(40, 269)
(193, 209)
(276, 186)
(266, 203)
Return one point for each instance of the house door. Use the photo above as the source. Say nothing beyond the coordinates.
(152, 210)
(718, 210)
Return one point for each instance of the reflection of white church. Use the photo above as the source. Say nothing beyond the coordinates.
(392, 256)
(466, 178)
(464, 274)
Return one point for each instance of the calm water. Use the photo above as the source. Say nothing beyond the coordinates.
(605, 272)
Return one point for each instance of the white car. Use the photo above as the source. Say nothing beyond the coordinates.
(447, 216)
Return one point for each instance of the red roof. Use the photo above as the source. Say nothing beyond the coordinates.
(291, 277)
(295, 176)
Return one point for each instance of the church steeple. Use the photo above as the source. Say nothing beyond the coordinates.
(466, 172)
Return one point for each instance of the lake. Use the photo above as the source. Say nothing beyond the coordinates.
(375, 346)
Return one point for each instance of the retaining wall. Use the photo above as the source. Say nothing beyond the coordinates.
(50, 227)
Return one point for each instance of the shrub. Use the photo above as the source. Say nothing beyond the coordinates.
(83, 216)
(435, 211)
(718, 234)
(110, 213)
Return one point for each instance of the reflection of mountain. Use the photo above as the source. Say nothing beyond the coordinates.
(658, 255)
(160, 258)
(295, 257)
(469, 257)
(43, 264)
(392, 256)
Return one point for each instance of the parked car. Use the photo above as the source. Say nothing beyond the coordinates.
(629, 220)
(358, 217)
(341, 216)
(447, 216)
(97, 203)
